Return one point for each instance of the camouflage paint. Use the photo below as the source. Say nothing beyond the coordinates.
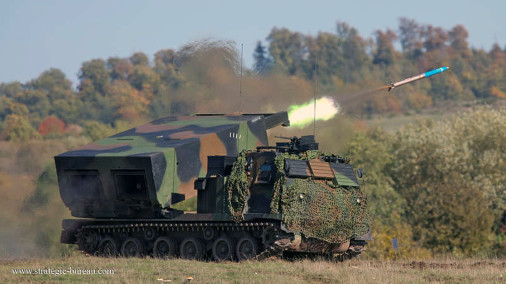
(177, 148)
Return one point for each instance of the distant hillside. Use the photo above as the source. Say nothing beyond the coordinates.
(205, 77)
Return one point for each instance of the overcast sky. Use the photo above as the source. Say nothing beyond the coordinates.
(38, 35)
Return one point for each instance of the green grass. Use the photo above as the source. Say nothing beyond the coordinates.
(148, 270)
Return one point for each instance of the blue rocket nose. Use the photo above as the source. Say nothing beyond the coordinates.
(435, 71)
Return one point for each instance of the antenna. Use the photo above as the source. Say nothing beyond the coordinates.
(314, 96)
(240, 83)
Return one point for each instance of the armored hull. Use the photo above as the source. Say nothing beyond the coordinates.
(241, 198)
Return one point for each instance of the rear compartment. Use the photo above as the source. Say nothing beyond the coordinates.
(109, 187)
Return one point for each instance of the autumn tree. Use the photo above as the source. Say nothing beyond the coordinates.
(434, 38)
(51, 125)
(131, 105)
(458, 41)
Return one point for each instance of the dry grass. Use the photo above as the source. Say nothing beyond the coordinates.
(149, 270)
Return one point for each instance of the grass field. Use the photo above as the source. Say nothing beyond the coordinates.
(359, 270)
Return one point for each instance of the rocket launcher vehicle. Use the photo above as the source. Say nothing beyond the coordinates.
(416, 78)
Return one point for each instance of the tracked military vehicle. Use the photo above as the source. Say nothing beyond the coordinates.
(210, 187)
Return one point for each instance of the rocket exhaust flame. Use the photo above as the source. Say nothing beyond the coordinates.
(326, 107)
(302, 115)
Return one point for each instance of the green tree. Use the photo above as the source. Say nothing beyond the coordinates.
(10, 90)
(325, 51)
(55, 84)
(287, 50)
(139, 58)
(353, 48)
(119, 68)
(372, 152)
(385, 51)
(37, 103)
(144, 77)
(51, 94)
(94, 105)
(165, 68)
(262, 63)
(96, 130)
(17, 128)
(97, 104)
(18, 109)
(452, 172)
(94, 72)
(410, 37)
(5, 102)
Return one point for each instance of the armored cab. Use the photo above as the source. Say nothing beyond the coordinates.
(251, 199)
(314, 197)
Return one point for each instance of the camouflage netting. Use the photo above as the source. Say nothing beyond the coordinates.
(237, 187)
(280, 181)
(317, 208)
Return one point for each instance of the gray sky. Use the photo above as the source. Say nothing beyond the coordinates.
(38, 35)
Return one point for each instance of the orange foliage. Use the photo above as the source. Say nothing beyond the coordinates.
(496, 92)
(51, 124)
(131, 103)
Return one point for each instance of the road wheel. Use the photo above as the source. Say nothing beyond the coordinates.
(223, 249)
(269, 235)
(149, 233)
(209, 233)
(132, 247)
(164, 247)
(108, 247)
(247, 248)
(88, 240)
(191, 248)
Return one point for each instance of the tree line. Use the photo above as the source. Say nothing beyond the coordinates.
(122, 90)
